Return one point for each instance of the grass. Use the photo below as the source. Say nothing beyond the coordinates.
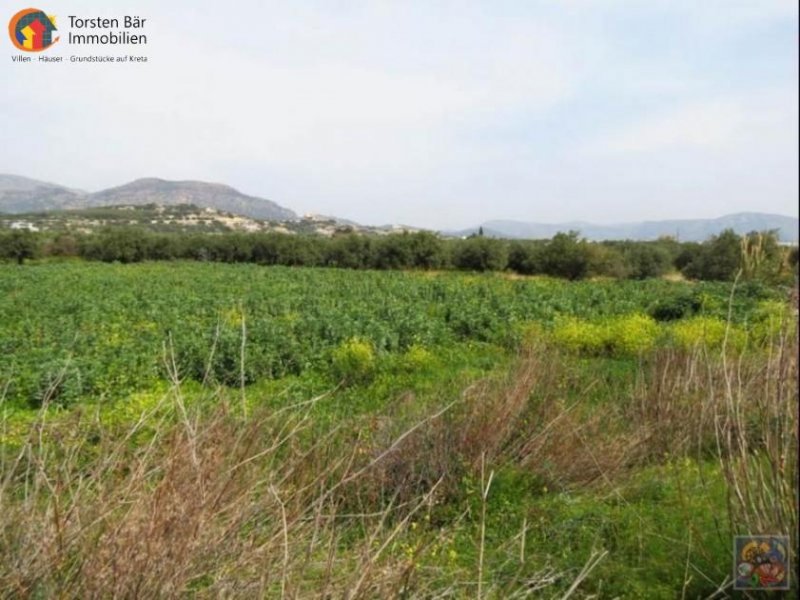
(460, 469)
(514, 488)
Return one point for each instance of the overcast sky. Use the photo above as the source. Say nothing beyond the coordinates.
(436, 114)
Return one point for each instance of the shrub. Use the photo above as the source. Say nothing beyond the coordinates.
(354, 360)
(566, 256)
(583, 337)
(771, 318)
(524, 257)
(618, 336)
(645, 260)
(705, 331)
(718, 259)
(480, 254)
(606, 261)
(675, 307)
(632, 334)
(418, 358)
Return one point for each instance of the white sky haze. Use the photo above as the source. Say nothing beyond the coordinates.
(435, 114)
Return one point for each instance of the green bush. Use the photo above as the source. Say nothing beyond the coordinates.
(418, 358)
(771, 317)
(579, 336)
(480, 254)
(706, 331)
(617, 336)
(631, 334)
(676, 307)
(354, 360)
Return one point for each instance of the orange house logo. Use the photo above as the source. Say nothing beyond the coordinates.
(31, 30)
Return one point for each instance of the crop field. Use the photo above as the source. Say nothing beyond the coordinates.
(206, 430)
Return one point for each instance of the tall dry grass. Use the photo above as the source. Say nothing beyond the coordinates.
(211, 504)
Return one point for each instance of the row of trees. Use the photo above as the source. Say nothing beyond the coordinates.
(757, 255)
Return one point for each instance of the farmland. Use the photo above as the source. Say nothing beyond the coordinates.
(494, 436)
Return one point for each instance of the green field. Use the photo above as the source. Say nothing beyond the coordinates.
(207, 429)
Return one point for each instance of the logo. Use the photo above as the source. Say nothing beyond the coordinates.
(762, 562)
(32, 30)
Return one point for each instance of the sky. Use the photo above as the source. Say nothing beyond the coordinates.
(435, 114)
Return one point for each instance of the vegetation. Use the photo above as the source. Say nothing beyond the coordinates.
(92, 330)
(756, 256)
(194, 429)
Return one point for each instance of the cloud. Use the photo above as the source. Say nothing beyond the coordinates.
(712, 124)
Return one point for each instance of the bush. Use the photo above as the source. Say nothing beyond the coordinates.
(675, 307)
(354, 361)
(480, 254)
(525, 258)
(645, 260)
(632, 334)
(606, 261)
(579, 336)
(418, 358)
(705, 331)
(566, 256)
(719, 259)
(771, 318)
(618, 336)
(19, 245)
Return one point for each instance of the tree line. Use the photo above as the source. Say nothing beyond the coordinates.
(567, 255)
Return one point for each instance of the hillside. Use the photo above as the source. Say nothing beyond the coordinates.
(24, 195)
(177, 218)
(206, 195)
(687, 230)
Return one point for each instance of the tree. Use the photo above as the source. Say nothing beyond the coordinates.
(644, 260)
(19, 245)
(524, 257)
(720, 258)
(427, 250)
(606, 260)
(566, 256)
(480, 254)
(393, 252)
(350, 251)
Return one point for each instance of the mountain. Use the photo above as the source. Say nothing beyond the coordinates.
(23, 195)
(685, 230)
(206, 195)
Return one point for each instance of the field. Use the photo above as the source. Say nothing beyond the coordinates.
(206, 429)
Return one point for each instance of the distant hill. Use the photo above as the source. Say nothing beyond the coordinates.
(23, 195)
(684, 229)
(206, 195)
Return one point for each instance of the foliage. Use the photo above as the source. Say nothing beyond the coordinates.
(114, 324)
(480, 254)
(627, 335)
(566, 256)
(707, 332)
(646, 260)
(458, 463)
(675, 306)
(19, 245)
(718, 259)
(353, 360)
